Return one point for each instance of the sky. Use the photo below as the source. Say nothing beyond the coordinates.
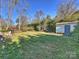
(49, 7)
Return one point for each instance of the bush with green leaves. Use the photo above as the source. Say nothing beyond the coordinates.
(76, 31)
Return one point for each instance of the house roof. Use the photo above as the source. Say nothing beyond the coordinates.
(1, 20)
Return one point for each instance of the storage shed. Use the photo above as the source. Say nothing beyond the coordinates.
(66, 27)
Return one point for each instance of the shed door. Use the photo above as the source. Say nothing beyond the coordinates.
(67, 30)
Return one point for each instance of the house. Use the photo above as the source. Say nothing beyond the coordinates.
(66, 27)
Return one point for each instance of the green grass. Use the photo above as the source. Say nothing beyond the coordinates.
(40, 47)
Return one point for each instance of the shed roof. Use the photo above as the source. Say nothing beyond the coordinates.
(63, 23)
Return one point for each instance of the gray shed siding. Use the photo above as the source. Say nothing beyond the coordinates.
(60, 28)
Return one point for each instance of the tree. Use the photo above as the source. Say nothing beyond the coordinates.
(23, 23)
(10, 6)
(47, 20)
(21, 11)
(39, 15)
(66, 9)
(0, 7)
(49, 24)
(35, 24)
(75, 16)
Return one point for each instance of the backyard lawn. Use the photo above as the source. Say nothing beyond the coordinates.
(39, 45)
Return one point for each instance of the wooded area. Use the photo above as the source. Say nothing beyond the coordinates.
(67, 11)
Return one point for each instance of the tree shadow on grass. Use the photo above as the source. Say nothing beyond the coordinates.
(48, 47)
(37, 47)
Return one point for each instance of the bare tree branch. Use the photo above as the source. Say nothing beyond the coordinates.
(66, 9)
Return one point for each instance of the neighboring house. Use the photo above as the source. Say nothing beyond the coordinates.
(66, 27)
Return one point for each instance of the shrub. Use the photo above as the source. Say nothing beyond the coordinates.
(4, 30)
(76, 31)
